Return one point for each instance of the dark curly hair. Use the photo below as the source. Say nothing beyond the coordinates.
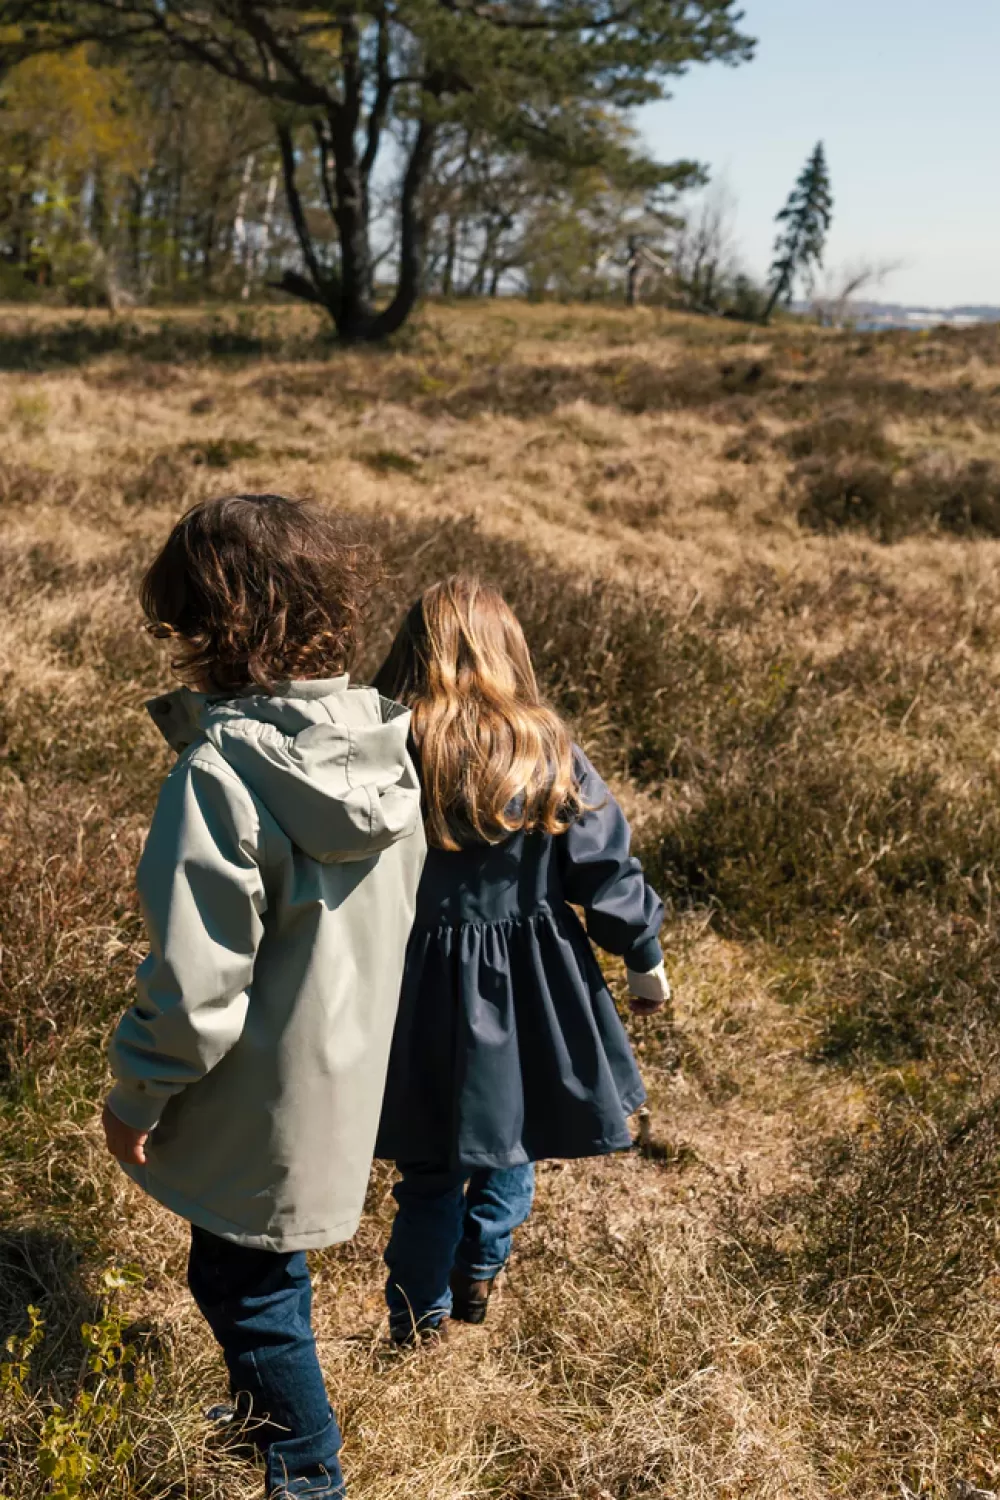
(258, 590)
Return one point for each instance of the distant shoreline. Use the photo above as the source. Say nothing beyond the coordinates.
(872, 316)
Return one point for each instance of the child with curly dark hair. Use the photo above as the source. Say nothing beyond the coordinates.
(251, 1067)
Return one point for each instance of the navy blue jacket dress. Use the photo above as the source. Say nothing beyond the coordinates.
(508, 1047)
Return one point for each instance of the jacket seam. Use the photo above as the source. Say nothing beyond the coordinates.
(351, 752)
(258, 729)
(512, 919)
(216, 765)
(253, 729)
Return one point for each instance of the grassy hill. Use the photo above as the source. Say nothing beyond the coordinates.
(759, 575)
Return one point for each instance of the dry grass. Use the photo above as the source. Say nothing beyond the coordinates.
(757, 573)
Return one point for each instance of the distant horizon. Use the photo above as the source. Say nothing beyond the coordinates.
(910, 116)
(864, 300)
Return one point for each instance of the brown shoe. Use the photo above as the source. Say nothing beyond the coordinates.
(470, 1299)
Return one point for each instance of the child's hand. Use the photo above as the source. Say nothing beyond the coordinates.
(648, 993)
(125, 1143)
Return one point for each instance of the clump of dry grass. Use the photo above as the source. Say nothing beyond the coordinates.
(876, 1278)
(795, 1294)
(935, 492)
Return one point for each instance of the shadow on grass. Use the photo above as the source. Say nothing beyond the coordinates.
(41, 1267)
(790, 383)
(728, 391)
(79, 342)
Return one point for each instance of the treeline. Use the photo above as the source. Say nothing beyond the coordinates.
(356, 158)
(133, 184)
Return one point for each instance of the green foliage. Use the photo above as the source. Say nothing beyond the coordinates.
(20, 1348)
(389, 461)
(504, 213)
(70, 138)
(84, 1446)
(544, 83)
(222, 453)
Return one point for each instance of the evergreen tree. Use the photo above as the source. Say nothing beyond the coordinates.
(805, 219)
(344, 81)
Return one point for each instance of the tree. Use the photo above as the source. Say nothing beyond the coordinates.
(121, 180)
(527, 220)
(70, 134)
(704, 256)
(196, 209)
(806, 220)
(540, 74)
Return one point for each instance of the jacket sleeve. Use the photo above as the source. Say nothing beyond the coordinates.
(202, 899)
(623, 913)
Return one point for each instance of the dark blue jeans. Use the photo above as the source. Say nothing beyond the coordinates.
(449, 1221)
(258, 1303)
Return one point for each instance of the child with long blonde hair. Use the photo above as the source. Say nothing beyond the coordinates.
(508, 1047)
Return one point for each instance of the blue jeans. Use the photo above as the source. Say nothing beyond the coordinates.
(449, 1221)
(258, 1303)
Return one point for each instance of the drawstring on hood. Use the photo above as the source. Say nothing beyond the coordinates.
(328, 762)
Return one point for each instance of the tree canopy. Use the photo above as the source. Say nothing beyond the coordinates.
(359, 101)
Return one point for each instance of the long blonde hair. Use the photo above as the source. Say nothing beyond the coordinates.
(495, 759)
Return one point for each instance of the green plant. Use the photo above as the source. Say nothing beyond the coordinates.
(83, 1445)
(20, 1347)
(805, 221)
(850, 432)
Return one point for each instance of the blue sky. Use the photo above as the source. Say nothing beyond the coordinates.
(906, 96)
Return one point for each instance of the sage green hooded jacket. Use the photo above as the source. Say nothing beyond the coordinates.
(278, 885)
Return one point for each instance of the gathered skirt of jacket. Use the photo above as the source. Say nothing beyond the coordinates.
(489, 1068)
(508, 1047)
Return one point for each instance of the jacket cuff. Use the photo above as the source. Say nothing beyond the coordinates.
(134, 1108)
(644, 956)
(653, 987)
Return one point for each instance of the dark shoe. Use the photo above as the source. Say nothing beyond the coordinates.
(470, 1299)
(234, 1432)
(429, 1336)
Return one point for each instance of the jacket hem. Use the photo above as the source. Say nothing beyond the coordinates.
(500, 1161)
(523, 1158)
(281, 1241)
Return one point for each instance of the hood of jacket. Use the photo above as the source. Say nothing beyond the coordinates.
(327, 760)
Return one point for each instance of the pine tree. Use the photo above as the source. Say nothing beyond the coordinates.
(805, 219)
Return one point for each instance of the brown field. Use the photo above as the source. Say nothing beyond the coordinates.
(759, 573)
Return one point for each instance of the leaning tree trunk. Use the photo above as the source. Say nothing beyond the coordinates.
(632, 272)
(450, 256)
(777, 291)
